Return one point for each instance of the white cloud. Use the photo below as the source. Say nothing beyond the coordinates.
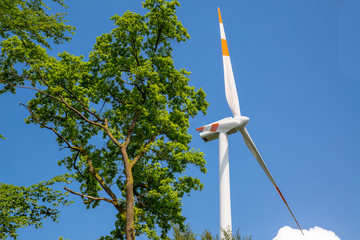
(316, 233)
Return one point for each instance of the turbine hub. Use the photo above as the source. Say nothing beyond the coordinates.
(243, 121)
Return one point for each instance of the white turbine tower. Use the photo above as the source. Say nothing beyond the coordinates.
(224, 127)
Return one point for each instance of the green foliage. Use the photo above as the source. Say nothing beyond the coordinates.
(186, 233)
(30, 21)
(28, 206)
(206, 235)
(123, 115)
(229, 235)
(61, 238)
(23, 24)
(183, 233)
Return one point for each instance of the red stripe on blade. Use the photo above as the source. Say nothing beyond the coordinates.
(281, 195)
(200, 129)
(289, 209)
(214, 127)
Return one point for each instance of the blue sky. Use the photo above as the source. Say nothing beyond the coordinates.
(296, 66)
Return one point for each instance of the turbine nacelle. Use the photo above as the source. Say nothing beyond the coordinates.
(227, 125)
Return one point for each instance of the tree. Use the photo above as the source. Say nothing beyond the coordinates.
(30, 23)
(206, 235)
(186, 233)
(229, 235)
(26, 206)
(123, 116)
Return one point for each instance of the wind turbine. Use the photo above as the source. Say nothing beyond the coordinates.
(224, 127)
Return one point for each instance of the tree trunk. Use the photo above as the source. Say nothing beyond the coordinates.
(130, 233)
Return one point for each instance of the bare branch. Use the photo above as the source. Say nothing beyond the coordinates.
(125, 81)
(31, 88)
(90, 197)
(105, 102)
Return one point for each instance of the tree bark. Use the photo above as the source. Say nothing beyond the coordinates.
(130, 234)
(129, 190)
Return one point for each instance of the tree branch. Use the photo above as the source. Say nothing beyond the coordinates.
(145, 149)
(139, 196)
(61, 100)
(92, 170)
(117, 143)
(116, 99)
(134, 51)
(158, 38)
(105, 102)
(131, 130)
(140, 185)
(75, 167)
(31, 88)
(142, 93)
(82, 104)
(125, 81)
(50, 128)
(101, 181)
(90, 197)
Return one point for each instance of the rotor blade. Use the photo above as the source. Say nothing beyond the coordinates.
(230, 87)
(250, 144)
(210, 127)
